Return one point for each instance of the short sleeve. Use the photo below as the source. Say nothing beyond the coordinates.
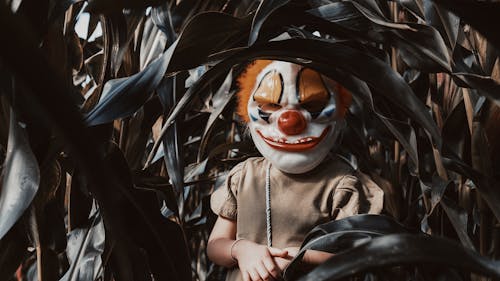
(356, 194)
(223, 200)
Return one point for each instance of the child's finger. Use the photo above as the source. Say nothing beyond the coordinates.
(272, 268)
(263, 273)
(246, 276)
(254, 275)
(275, 252)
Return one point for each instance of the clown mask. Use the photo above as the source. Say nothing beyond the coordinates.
(294, 113)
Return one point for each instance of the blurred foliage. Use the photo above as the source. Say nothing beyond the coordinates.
(117, 123)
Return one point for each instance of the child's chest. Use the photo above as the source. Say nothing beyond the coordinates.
(297, 205)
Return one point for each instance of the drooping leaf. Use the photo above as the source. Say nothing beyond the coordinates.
(414, 6)
(123, 96)
(443, 20)
(220, 101)
(84, 250)
(21, 177)
(162, 18)
(402, 249)
(342, 235)
(458, 218)
(206, 34)
(108, 7)
(171, 140)
(421, 45)
(266, 7)
(482, 15)
(153, 43)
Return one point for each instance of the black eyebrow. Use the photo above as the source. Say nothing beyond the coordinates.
(282, 87)
(297, 82)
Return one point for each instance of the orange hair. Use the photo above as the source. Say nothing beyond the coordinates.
(246, 83)
(344, 99)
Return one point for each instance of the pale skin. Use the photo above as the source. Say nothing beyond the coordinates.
(256, 262)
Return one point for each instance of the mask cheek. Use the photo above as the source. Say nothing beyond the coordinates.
(329, 113)
(253, 113)
(255, 116)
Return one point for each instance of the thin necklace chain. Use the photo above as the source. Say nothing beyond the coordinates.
(268, 205)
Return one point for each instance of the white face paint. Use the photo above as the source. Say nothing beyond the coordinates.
(293, 120)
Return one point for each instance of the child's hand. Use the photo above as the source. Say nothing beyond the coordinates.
(282, 262)
(256, 262)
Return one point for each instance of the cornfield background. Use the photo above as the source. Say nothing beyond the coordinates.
(117, 123)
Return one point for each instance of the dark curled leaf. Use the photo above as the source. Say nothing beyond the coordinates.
(122, 97)
(376, 224)
(171, 140)
(342, 13)
(486, 86)
(423, 48)
(122, 32)
(444, 21)
(458, 218)
(21, 177)
(342, 235)
(405, 135)
(413, 6)
(266, 8)
(111, 6)
(439, 186)
(402, 249)
(482, 15)
(484, 184)
(61, 7)
(208, 33)
(153, 43)
(162, 18)
(85, 246)
(220, 101)
(421, 45)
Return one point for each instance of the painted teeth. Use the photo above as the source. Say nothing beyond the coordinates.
(283, 140)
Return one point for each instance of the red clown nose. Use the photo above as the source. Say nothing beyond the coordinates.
(292, 122)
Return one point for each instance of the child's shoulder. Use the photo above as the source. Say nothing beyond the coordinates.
(250, 163)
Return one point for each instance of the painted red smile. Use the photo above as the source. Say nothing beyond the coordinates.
(301, 144)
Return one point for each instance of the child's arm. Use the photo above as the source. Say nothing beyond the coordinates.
(314, 257)
(254, 260)
(311, 258)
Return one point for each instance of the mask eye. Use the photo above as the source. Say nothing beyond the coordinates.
(314, 106)
(266, 109)
(270, 107)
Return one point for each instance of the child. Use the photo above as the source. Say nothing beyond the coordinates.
(270, 203)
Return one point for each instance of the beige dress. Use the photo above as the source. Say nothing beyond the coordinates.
(331, 191)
